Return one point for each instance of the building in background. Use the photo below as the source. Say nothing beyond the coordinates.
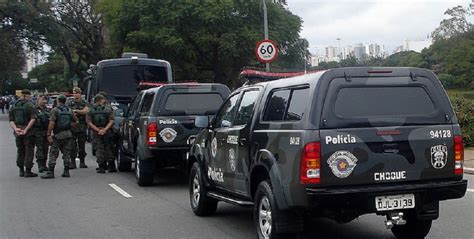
(331, 53)
(414, 45)
(360, 51)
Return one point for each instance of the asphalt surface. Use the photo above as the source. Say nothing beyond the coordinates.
(85, 206)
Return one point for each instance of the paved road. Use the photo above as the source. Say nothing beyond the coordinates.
(85, 206)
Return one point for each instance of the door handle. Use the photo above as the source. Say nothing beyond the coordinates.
(243, 141)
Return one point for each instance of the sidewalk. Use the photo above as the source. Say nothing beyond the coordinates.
(469, 161)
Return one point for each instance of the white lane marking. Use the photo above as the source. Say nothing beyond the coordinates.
(119, 190)
(470, 190)
(469, 169)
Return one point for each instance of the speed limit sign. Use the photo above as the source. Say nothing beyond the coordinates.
(266, 51)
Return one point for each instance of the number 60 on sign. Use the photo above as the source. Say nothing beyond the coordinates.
(266, 51)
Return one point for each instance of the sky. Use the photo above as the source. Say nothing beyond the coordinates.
(386, 22)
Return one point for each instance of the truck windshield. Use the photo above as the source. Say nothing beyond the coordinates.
(124, 79)
(193, 103)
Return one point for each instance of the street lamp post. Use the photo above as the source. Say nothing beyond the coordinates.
(339, 47)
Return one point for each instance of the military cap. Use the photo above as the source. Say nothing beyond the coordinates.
(26, 92)
(77, 90)
(99, 97)
(62, 97)
(103, 93)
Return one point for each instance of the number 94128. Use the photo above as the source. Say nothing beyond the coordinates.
(440, 134)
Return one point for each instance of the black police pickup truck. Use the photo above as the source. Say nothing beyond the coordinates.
(339, 144)
(158, 127)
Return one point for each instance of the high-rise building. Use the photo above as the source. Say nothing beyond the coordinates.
(360, 51)
(331, 53)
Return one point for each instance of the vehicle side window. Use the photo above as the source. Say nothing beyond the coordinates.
(132, 110)
(147, 102)
(277, 105)
(246, 107)
(297, 105)
(286, 105)
(226, 114)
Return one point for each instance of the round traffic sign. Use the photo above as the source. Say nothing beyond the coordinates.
(266, 51)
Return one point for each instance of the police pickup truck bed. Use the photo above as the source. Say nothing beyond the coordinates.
(339, 143)
(159, 125)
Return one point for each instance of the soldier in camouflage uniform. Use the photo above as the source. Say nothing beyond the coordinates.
(41, 131)
(101, 119)
(61, 121)
(22, 117)
(80, 109)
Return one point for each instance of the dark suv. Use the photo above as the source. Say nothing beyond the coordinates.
(339, 144)
(159, 126)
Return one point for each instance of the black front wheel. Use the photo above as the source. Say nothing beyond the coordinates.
(413, 229)
(201, 204)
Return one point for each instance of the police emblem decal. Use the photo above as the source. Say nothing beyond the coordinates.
(232, 162)
(168, 135)
(342, 163)
(214, 147)
(439, 156)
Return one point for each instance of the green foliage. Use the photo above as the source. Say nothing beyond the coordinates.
(406, 59)
(204, 40)
(457, 23)
(464, 109)
(51, 75)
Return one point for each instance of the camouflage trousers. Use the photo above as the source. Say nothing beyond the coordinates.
(78, 145)
(25, 145)
(42, 146)
(105, 147)
(63, 145)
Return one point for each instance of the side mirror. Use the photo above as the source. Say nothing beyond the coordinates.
(226, 124)
(201, 122)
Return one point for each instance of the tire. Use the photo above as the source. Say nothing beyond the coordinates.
(265, 211)
(413, 229)
(123, 164)
(143, 178)
(201, 204)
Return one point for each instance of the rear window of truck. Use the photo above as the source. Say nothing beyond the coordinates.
(367, 102)
(193, 103)
(379, 102)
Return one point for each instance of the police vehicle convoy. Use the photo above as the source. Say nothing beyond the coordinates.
(339, 144)
(159, 126)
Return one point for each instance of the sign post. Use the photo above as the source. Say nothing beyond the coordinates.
(266, 51)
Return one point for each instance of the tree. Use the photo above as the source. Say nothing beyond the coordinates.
(70, 27)
(456, 25)
(204, 40)
(51, 75)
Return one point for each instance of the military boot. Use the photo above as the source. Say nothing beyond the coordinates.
(22, 171)
(42, 168)
(49, 173)
(66, 172)
(111, 167)
(82, 163)
(29, 174)
(101, 168)
(73, 164)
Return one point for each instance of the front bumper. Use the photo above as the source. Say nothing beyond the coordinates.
(362, 198)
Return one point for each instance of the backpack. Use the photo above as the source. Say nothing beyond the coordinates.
(100, 116)
(64, 118)
(19, 113)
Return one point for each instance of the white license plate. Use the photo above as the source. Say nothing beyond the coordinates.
(392, 202)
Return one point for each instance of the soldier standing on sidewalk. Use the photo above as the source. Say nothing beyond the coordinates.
(22, 117)
(101, 119)
(60, 122)
(41, 131)
(80, 109)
